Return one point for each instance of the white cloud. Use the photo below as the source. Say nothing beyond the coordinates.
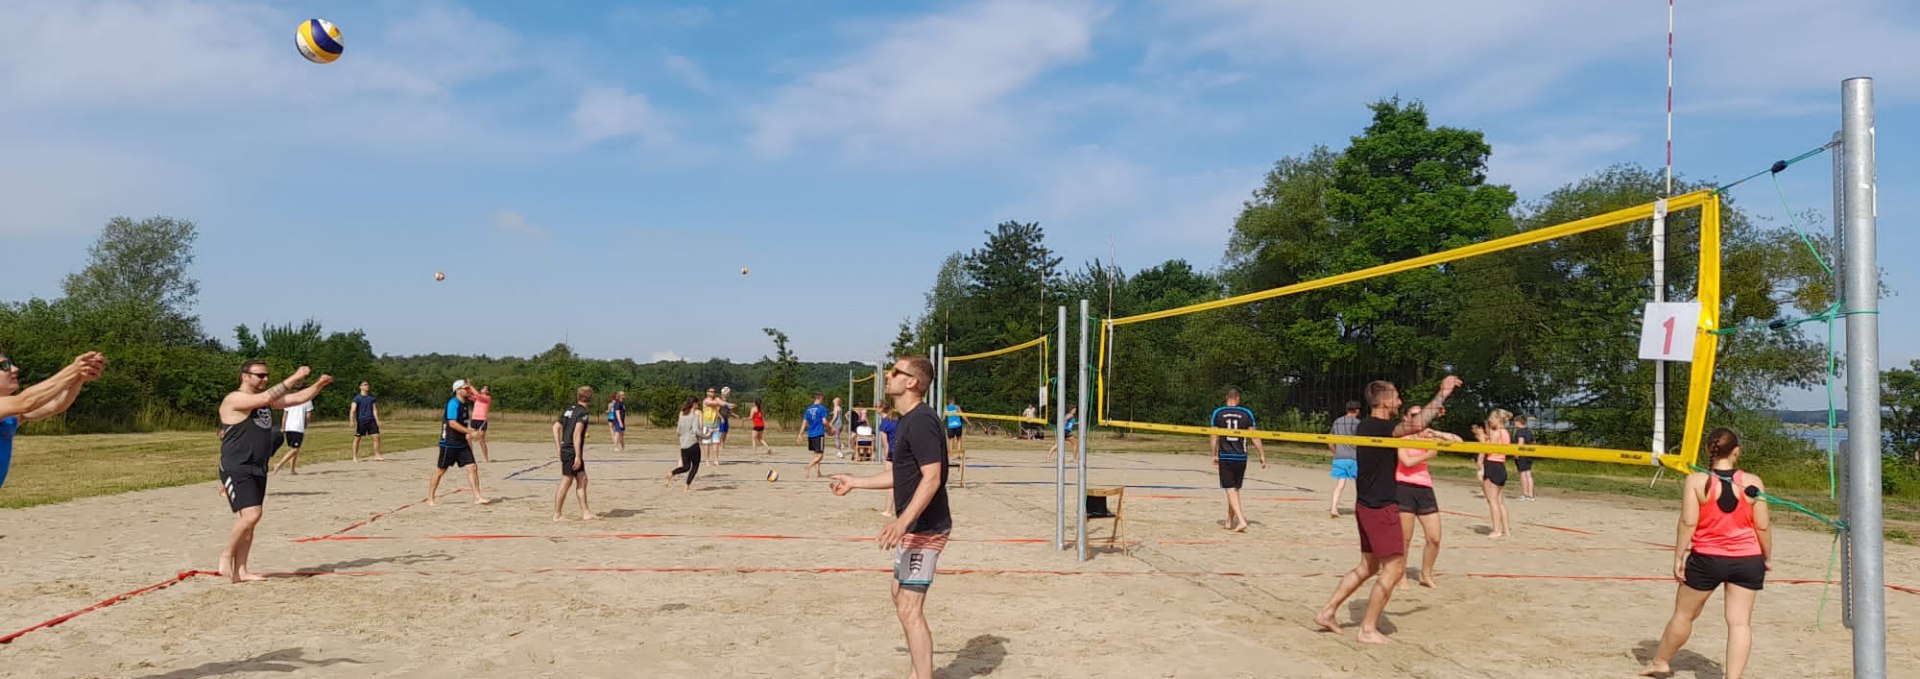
(659, 356)
(936, 84)
(690, 73)
(1546, 162)
(516, 224)
(1093, 198)
(607, 113)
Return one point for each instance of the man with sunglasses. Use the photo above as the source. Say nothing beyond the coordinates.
(455, 446)
(922, 522)
(247, 442)
(50, 397)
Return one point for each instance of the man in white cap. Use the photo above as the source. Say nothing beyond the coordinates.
(454, 429)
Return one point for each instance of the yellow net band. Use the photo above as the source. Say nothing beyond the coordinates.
(996, 352)
(1522, 239)
(1640, 457)
(858, 380)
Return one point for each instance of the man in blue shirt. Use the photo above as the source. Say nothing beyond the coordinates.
(816, 419)
(50, 397)
(1230, 454)
(454, 450)
(366, 421)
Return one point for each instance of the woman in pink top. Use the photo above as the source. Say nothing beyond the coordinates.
(1414, 488)
(482, 402)
(1725, 537)
(1493, 471)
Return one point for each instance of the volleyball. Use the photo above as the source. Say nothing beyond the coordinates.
(773, 475)
(319, 41)
(439, 276)
(743, 271)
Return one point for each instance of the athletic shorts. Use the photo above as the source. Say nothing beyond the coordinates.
(955, 432)
(450, 457)
(817, 444)
(1379, 530)
(1706, 572)
(366, 428)
(244, 489)
(1496, 472)
(566, 463)
(295, 438)
(1416, 500)
(1346, 469)
(479, 425)
(1522, 463)
(724, 426)
(1232, 473)
(760, 428)
(915, 560)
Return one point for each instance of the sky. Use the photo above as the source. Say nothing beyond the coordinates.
(600, 172)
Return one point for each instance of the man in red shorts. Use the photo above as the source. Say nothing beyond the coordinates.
(1377, 509)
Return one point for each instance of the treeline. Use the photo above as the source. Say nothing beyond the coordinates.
(1549, 330)
(133, 301)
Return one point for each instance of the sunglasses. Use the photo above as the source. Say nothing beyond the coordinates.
(896, 370)
(260, 375)
(7, 364)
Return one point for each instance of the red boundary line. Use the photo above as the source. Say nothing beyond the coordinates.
(336, 535)
(1018, 541)
(176, 579)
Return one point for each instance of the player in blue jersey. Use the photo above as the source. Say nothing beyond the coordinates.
(1230, 454)
(816, 419)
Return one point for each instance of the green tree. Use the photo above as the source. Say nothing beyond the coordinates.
(139, 270)
(1900, 398)
(783, 398)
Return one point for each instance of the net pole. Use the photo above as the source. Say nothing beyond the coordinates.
(1060, 436)
(1863, 383)
(1080, 441)
(1660, 264)
(1840, 273)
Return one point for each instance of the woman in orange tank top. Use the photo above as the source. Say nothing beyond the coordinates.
(1725, 537)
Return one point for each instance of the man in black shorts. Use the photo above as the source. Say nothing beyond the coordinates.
(454, 430)
(1376, 506)
(570, 442)
(918, 479)
(1230, 455)
(816, 430)
(247, 442)
(366, 422)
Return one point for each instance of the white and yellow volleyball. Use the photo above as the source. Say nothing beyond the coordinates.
(319, 41)
(773, 475)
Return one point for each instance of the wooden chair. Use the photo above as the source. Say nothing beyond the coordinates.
(863, 444)
(1119, 495)
(957, 455)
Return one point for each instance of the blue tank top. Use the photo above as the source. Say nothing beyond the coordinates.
(953, 416)
(7, 427)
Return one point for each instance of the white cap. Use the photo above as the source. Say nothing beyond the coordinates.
(459, 384)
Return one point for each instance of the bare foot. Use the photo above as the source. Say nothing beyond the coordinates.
(589, 517)
(1325, 620)
(1334, 514)
(1496, 536)
(1368, 636)
(482, 501)
(1242, 528)
(557, 518)
(687, 488)
(293, 472)
(1426, 582)
(1656, 668)
(379, 459)
(244, 575)
(432, 502)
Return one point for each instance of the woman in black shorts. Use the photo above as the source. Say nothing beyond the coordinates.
(1725, 537)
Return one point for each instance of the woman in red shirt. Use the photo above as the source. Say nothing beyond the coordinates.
(759, 429)
(1725, 537)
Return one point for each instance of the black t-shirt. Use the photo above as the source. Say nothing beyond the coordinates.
(457, 411)
(922, 439)
(1375, 489)
(570, 420)
(246, 447)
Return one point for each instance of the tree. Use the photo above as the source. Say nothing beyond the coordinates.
(945, 300)
(784, 399)
(1900, 397)
(904, 343)
(140, 270)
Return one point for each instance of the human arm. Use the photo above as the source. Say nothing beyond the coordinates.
(1690, 517)
(54, 394)
(1409, 425)
(556, 438)
(1762, 520)
(580, 444)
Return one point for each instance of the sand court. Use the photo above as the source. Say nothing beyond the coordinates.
(745, 577)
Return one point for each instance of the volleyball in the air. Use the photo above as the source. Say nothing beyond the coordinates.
(439, 276)
(773, 475)
(319, 41)
(743, 271)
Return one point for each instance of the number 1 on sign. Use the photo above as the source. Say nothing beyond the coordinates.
(1668, 330)
(1667, 347)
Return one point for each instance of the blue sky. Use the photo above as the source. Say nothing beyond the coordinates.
(599, 172)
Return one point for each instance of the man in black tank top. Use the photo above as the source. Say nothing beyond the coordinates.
(247, 442)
